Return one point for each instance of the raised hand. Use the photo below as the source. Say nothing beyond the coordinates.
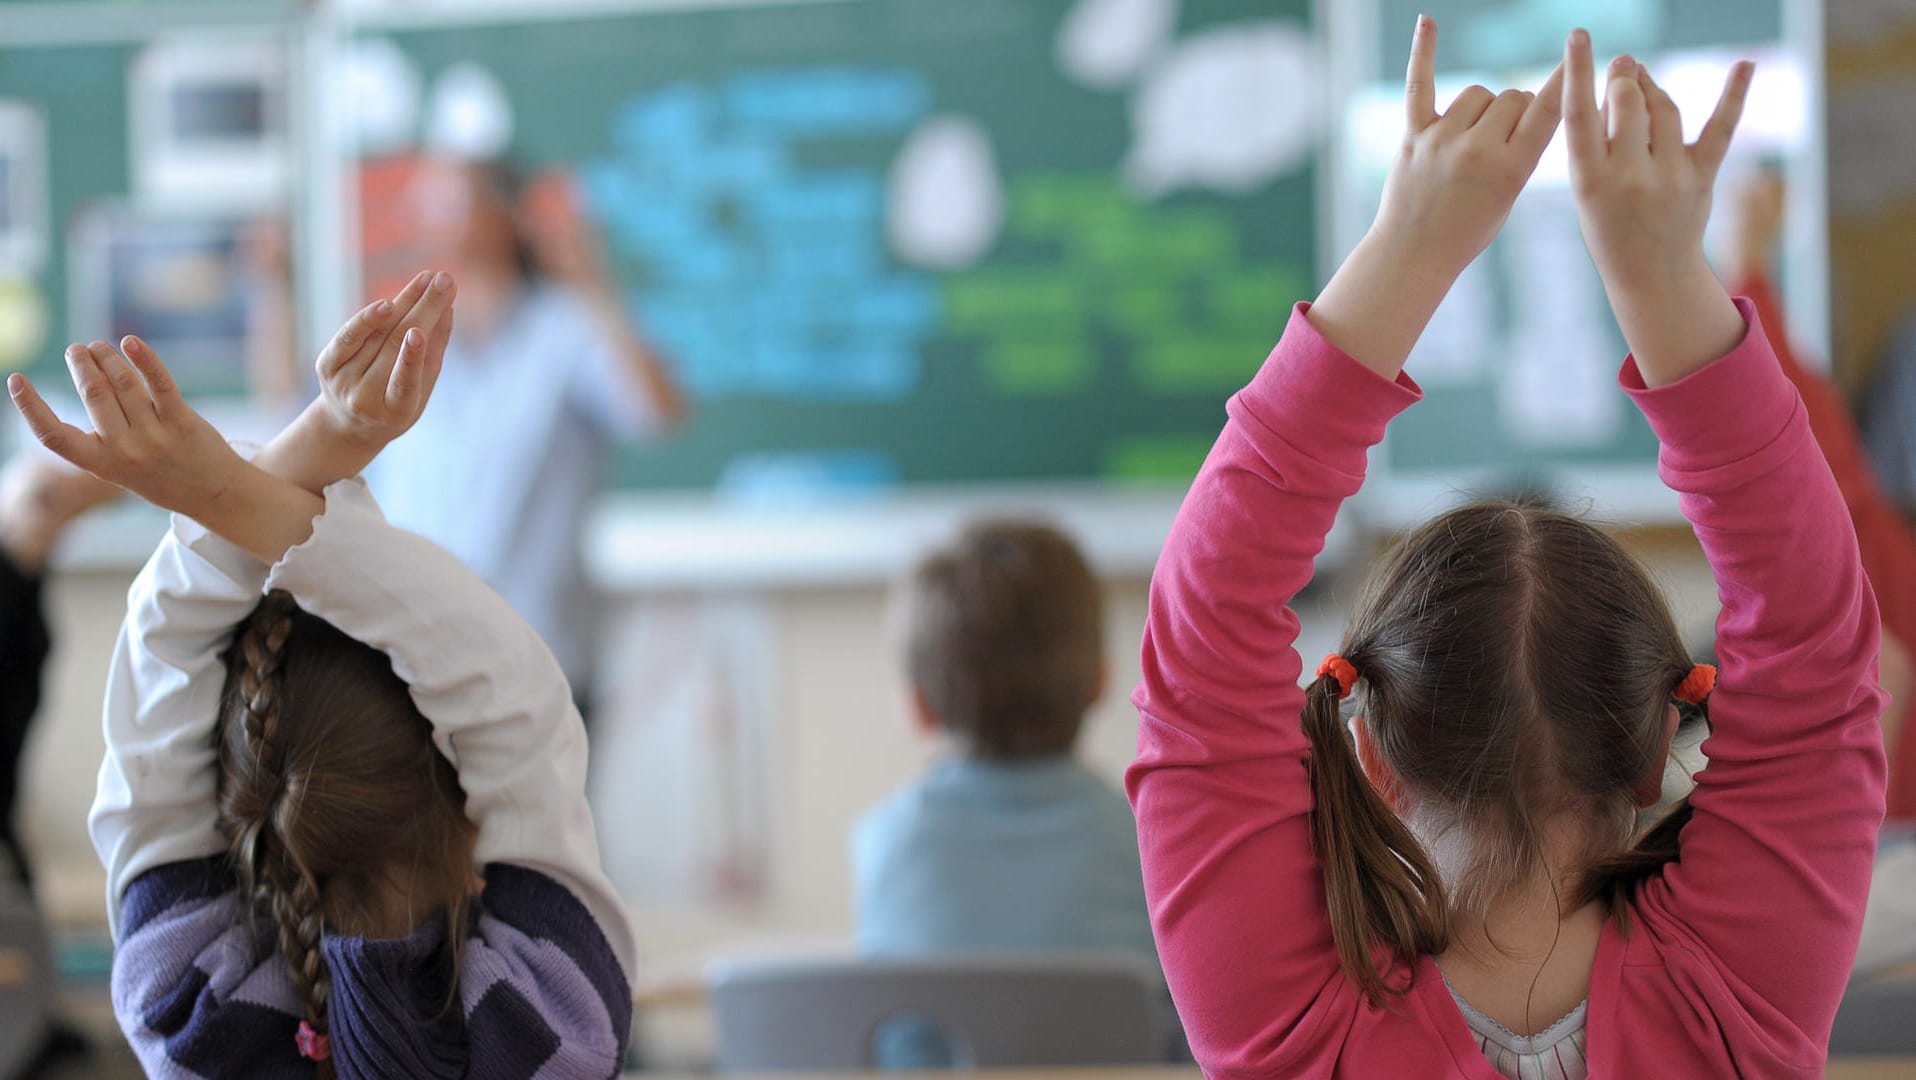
(1448, 193)
(145, 437)
(378, 371)
(1643, 199)
(375, 377)
(1459, 172)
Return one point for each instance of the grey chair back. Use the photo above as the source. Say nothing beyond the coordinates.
(1876, 1018)
(962, 1012)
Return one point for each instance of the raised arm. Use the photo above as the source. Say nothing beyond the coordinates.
(146, 439)
(155, 803)
(1220, 784)
(1775, 863)
(375, 377)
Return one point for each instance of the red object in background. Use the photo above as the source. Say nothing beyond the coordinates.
(1883, 538)
(389, 232)
(392, 234)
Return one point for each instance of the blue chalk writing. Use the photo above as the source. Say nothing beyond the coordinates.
(764, 276)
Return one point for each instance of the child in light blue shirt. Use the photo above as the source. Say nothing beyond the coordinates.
(1007, 842)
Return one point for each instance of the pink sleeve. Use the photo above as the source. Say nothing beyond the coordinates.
(1219, 784)
(1775, 865)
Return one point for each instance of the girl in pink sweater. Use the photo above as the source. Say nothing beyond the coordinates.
(1461, 890)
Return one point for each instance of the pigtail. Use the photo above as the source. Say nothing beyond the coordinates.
(1379, 883)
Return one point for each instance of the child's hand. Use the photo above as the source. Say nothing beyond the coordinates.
(376, 376)
(1447, 195)
(378, 371)
(1643, 198)
(145, 437)
(1459, 173)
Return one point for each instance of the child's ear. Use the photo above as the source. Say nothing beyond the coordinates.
(1381, 775)
(1650, 785)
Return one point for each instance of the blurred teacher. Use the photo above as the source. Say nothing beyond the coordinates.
(544, 377)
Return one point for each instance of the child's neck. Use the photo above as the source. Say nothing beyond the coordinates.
(1526, 962)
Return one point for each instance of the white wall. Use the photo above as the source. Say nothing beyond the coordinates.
(843, 745)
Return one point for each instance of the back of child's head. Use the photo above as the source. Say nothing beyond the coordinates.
(1004, 640)
(341, 815)
(1515, 671)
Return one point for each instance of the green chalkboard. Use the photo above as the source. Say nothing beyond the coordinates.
(80, 93)
(746, 163)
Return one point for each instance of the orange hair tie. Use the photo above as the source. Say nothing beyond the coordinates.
(1696, 686)
(1341, 670)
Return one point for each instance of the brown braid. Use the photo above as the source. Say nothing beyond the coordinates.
(297, 911)
(262, 646)
(268, 869)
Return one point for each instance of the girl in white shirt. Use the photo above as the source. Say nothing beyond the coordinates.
(375, 665)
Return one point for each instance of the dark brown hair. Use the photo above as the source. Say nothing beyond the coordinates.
(1005, 639)
(1514, 663)
(341, 815)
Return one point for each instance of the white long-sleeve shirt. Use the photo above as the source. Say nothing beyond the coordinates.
(501, 712)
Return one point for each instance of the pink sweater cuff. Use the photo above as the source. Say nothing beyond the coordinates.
(1723, 412)
(1318, 395)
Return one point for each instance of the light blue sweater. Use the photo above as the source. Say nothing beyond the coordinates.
(977, 856)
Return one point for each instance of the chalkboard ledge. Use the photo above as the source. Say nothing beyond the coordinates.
(648, 542)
